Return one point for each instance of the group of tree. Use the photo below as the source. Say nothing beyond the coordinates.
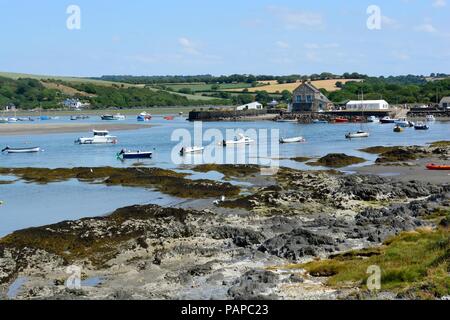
(27, 93)
(392, 90)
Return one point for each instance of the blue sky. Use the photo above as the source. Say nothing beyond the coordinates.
(144, 37)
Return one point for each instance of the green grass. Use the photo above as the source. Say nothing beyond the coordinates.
(417, 262)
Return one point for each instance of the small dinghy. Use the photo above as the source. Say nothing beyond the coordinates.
(388, 119)
(21, 150)
(404, 123)
(317, 121)
(240, 139)
(116, 117)
(359, 134)
(421, 126)
(169, 118)
(134, 154)
(341, 120)
(431, 118)
(144, 116)
(292, 140)
(398, 129)
(373, 119)
(190, 150)
(432, 166)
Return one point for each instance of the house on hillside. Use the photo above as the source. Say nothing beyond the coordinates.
(369, 105)
(307, 98)
(250, 106)
(10, 107)
(74, 104)
(445, 103)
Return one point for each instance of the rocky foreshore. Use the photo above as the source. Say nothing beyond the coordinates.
(252, 246)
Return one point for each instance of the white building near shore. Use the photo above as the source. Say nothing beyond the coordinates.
(367, 105)
(250, 106)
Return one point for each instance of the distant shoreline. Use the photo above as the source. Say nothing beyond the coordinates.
(47, 128)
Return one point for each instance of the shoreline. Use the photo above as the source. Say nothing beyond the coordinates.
(47, 128)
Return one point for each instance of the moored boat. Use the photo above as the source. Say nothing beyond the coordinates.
(189, 150)
(292, 140)
(341, 120)
(388, 119)
(358, 134)
(169, 118)
(144, 116)
(430, 118)
(421, 126)
(398, 129)
(21, 150)
(116, 117)
(10, 120)
(433, 166)
(44, 118)
(3, 120)
(240, 139)
(99, 137)
(373, 119)
(124, 154)
(404, 123)
(317, 121)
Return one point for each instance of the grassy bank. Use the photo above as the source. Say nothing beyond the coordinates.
(416, 263)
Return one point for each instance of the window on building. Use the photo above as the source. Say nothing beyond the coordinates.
(298, 99)
(309, 98)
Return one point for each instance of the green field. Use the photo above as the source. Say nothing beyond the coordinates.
(78, 80)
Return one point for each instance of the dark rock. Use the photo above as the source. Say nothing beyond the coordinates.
(253, 285)
(298, 243)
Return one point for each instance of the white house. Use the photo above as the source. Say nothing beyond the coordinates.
(74, 104)
(445, 103)
(250, 106)
(368, 105)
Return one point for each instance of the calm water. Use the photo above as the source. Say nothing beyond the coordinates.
(28, 205)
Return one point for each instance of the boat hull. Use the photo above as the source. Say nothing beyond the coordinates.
(22, 150)
(438, 167)
(292, 140)
(357, 135)
(136, 155)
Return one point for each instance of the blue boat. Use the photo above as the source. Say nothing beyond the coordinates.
(316, 121)
(44, 118)
(135, 154)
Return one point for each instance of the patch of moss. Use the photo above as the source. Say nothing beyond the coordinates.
(401, 154)
(378, 149)
(229, 170)
(96, 239)
(417, 262)
(337, 160)
(440, 144)
(166, 181)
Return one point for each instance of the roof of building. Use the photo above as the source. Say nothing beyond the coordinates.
(367, 101)
(445, 99)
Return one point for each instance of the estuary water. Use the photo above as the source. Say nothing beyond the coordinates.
(26, 205)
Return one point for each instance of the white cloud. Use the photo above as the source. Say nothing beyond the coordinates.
(426, 27)
(188, 46)
(282, 44)
(293, 19)
(439, 3)
(389, 22)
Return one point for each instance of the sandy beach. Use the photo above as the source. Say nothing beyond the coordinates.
(24, 129)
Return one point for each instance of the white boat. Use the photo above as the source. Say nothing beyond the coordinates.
(189, 150)
(3, 120)
(359, 134)
(12, 120)
(108, 117)
(421, 126)
(388, 119)
(124, 154)
(404, 123)
(431, 118)
(373, 119)
(99, 137)
(240, 139)
(292, 140)
(21, 150)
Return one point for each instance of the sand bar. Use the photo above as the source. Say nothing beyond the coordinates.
(50, 128)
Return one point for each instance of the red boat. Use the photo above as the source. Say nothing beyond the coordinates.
(340, 120)
(169, 118)
(433, 166)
